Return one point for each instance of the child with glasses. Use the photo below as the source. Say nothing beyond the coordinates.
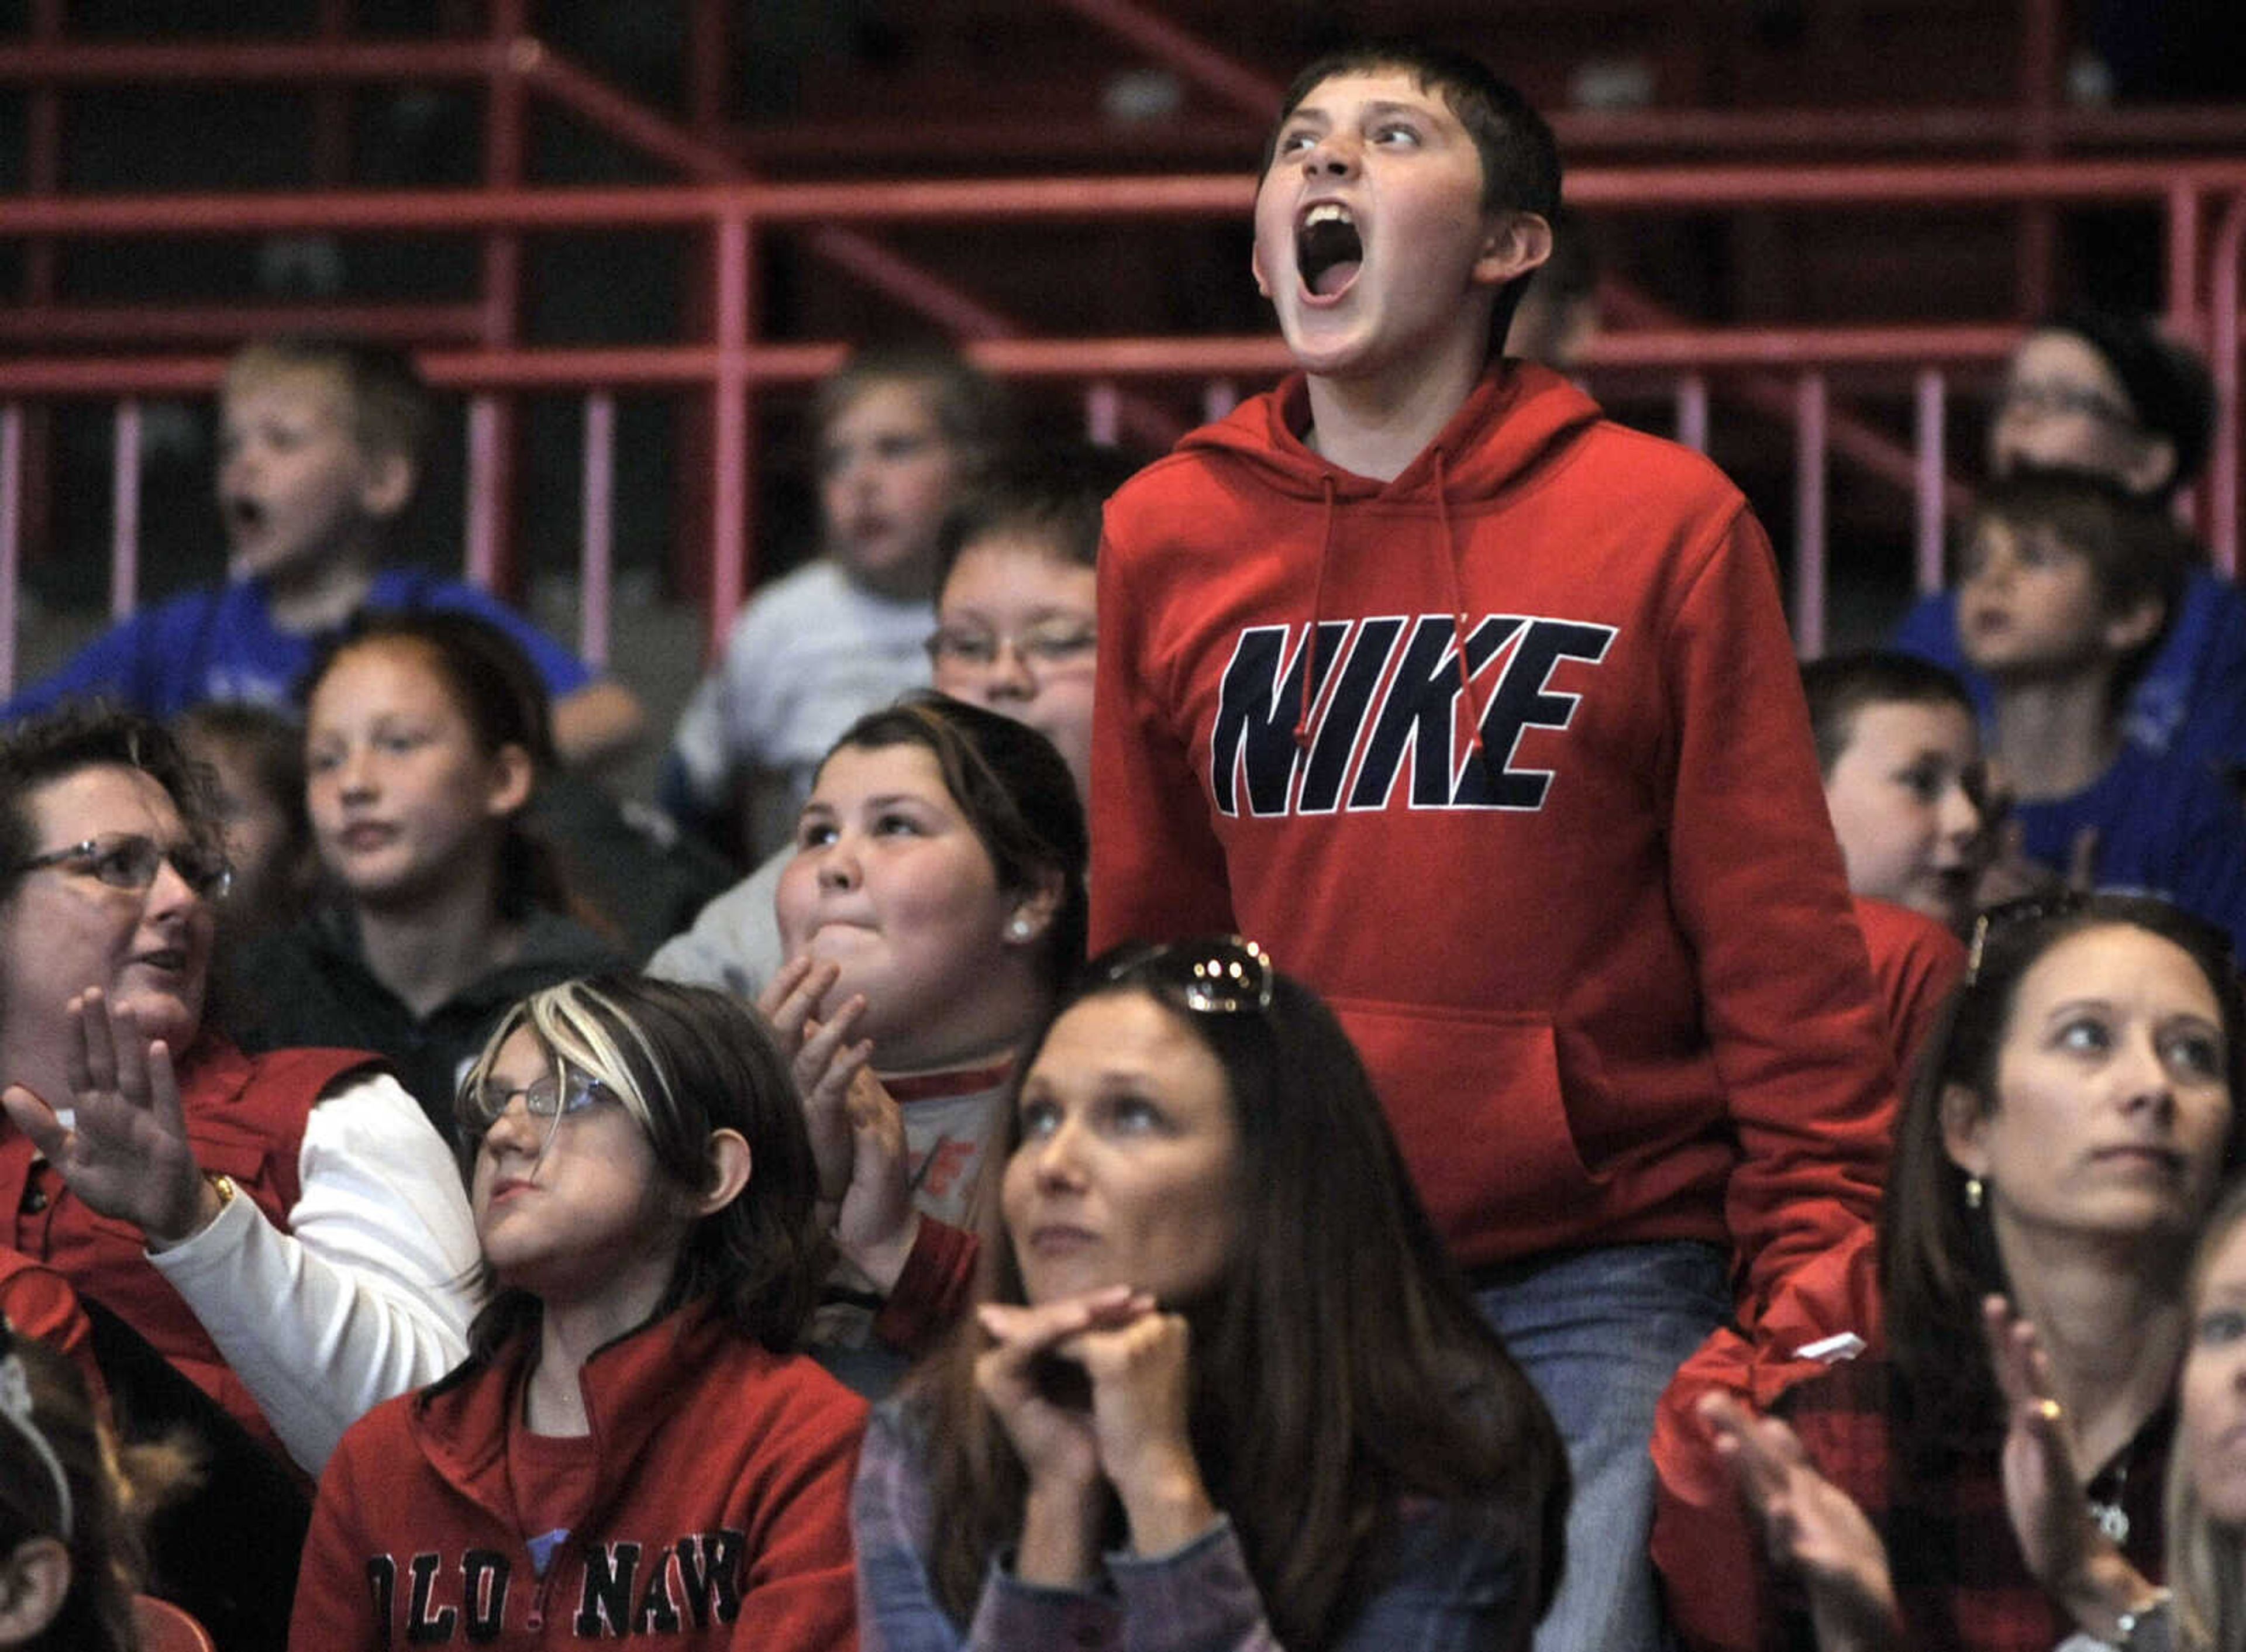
(1226, 1389)
(633, 1447)
(2066, 586)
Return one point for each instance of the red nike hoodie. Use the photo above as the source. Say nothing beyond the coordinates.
(1572, 890)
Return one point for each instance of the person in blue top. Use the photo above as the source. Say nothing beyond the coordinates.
(2104, 392)
(2066, 583)
(319, 454)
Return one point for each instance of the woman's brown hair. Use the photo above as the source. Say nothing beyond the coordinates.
(1938, 1253)
(1340, 1366)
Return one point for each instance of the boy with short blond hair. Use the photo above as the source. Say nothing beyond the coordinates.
(1479, 712)
(320, 448)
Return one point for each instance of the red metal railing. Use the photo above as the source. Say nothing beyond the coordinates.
(1790, 373)
(737, 363)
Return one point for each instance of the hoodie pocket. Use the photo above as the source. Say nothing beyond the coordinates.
(1475, 1099)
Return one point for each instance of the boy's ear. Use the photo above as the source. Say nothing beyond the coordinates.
(515, 778)
(1255, 268)
(386, 484)
(1517, 243)
(730, 1164)
(1965, 1127)
(2134, 626)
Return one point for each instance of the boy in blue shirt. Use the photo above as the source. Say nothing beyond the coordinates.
(2068, 582)
(319, 455)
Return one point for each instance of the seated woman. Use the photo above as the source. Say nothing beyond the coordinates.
(1228, 1391)
(286, 1230)
(934, 908)
(424, 737)
(2062, 1146)
(633, 1448)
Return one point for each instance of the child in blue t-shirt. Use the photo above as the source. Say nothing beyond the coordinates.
(319, 454)
(2067, 584)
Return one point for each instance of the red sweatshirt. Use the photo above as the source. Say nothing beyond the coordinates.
(719, 1517)
(1602, 968)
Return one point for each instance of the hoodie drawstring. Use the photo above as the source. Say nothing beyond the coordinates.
(1458, 605)
(1317, 613)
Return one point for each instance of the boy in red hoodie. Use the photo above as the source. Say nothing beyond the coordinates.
(1480, 712)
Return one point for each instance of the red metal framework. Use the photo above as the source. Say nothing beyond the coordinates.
(476, 347)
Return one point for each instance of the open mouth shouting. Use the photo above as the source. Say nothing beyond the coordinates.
(1329, 252)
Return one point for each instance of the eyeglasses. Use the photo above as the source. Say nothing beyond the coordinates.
(2055, 400)
(16, 1406)
(1213, 976)
(2065, 902)
(1049, 643)
(552, 1098)
(131, 860)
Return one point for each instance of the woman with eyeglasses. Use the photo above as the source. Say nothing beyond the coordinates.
(2061, 1149)
(285, 1229)
(1224, 1388)
(634, 1448)
(934, 908)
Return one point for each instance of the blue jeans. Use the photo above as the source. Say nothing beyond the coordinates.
(1601, 1332)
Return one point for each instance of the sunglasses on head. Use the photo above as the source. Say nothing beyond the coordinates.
(16, 1406)
(1211, 975)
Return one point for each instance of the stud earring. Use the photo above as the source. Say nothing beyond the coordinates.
(1973, 1192)
(1018, 928)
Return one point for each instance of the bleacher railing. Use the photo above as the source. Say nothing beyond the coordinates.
(2204, 204)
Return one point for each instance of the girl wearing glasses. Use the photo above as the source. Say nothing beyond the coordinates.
(1225, 1389)
(2061, 1146)
(934, 908)
(426, 735)
(631, 1448)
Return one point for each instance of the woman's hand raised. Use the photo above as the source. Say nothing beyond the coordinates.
(124, 1152)
(2065, 1551)
(1811, 1525)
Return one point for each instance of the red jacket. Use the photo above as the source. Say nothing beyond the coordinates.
(721, 1516)
(1603, 969)
(39, 1302)
(245, 1117)
(1917, 963)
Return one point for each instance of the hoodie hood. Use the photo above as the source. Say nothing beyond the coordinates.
(1518, 423)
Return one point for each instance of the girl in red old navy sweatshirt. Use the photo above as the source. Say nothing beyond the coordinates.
(630, 1449)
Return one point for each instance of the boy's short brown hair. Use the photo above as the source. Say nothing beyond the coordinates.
(1839, 685)
(1520, 157)
(386, 396)
(2136, 552)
